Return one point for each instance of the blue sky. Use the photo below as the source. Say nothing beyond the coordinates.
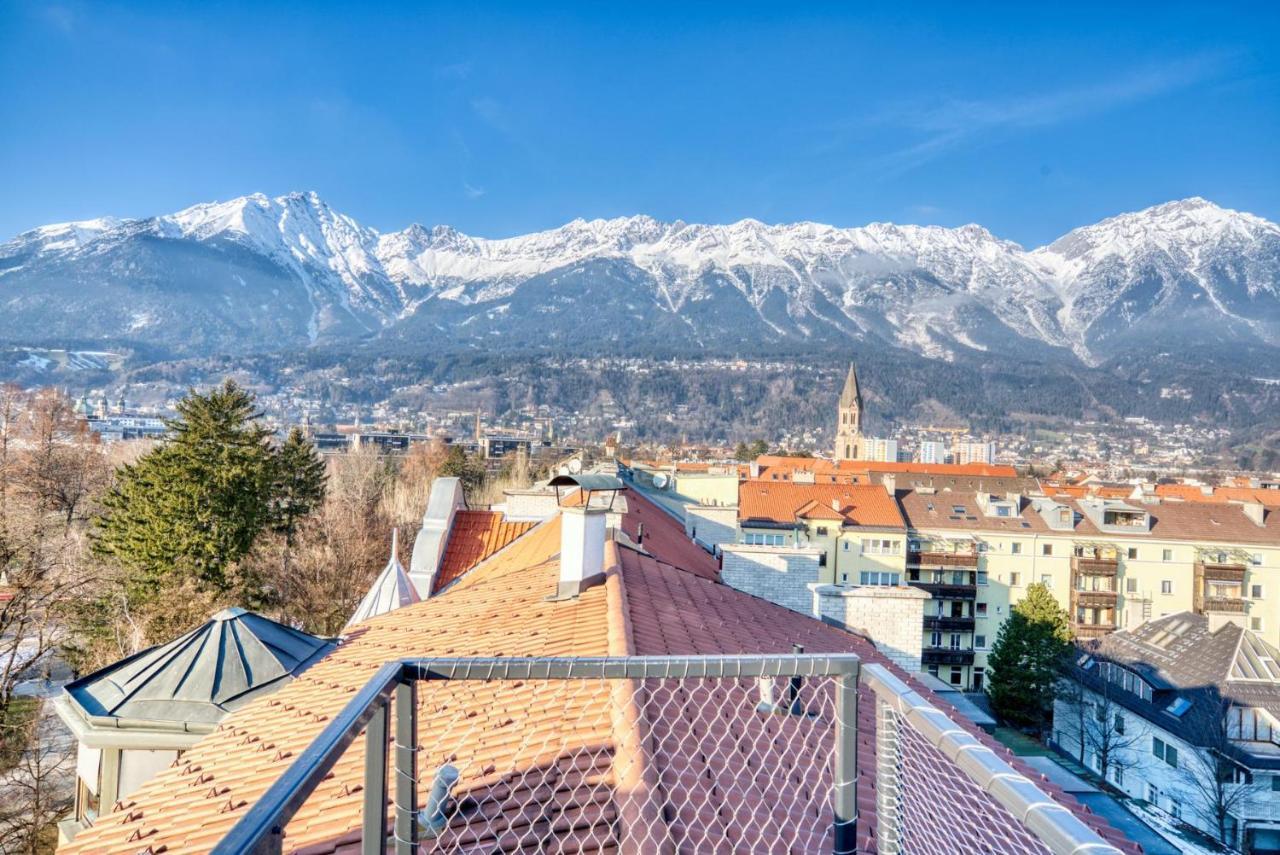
(502, 119)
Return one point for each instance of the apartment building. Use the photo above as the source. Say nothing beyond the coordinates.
(854, 531)
(1111, 563)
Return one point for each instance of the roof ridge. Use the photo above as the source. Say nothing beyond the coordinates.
(639, 817)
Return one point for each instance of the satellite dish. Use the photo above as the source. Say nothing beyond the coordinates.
(575, 466)
(660, 480)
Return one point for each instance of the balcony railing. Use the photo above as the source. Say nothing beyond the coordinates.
(1094, 599)
(1214, 572)
(946, 656)
(1094, 566)
(942, 559)
(1224, 605)
(937, 786)
(943, 622)
(946, 591)
(1092, 630)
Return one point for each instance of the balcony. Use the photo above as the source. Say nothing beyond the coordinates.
(945, 656)
(942, 559)
(1223, 605)
(942, 622)
(941, 591)
(1094, 599)
(1094, 566)
(1086, 631)
(1221, 572)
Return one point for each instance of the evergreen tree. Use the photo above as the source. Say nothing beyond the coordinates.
(194, 505)
(299, 485)
(1026, 659)
(458, 465)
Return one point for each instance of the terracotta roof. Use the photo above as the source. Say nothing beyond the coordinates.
(1194, 521)
(473, 537)
(777, 468)
(575, 799)
(1218, 495)
(786, 501)
(664, 537)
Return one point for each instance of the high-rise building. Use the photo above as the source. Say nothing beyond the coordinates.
(973, 451)
(849, 419)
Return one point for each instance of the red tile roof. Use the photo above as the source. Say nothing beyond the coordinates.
(606, 773)
(787, 502)
(664, 537)
(473, 537)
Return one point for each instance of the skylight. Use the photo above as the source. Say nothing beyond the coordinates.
(1178, 707)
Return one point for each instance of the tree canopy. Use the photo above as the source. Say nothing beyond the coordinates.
(1026, 659)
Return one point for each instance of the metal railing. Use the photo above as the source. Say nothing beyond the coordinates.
(262, 829)
(936, 784)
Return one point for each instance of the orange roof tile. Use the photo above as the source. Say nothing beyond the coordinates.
(473, 537)
(786, 501)
(602, 769)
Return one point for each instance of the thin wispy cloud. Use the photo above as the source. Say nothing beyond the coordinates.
(471, 191)
(958, 122)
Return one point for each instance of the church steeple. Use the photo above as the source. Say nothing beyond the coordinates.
(849, 418)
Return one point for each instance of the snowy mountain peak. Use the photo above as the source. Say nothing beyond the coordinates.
(929, 288)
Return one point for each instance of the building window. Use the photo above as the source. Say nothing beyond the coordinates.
(1256, 559)
(1255, 624)
(757, 539)
(1015, 579)
(872, 577)
(845, 545)
(980, 609)
(1166, 586)
(1275, 783)
(1133, 553)
(1046, 549)
(822, 531)
(1166, 555)
(955, 641)
(876, 546)
(1164, 751)
(1046, 579)
(1118, 775)
(1255, 591)
(935, 639)
(980, 642)
(1153, 794)
(957, 675)
(1120, 724)
(1015, 548)
(1131, 586)
(982, 577)
(980, 673)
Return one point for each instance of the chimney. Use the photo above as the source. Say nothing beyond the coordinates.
(835, 505)
(582, 532)
(1256, 512)
(755, 469)
(890, 483)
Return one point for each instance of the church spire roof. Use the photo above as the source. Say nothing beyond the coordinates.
(851, 394)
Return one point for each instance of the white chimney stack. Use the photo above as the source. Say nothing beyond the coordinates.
(1256, 512)
(582, 533)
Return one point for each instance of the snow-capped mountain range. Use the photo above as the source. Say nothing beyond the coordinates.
(258, 273)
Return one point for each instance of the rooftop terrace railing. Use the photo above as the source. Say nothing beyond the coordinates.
(754, 752)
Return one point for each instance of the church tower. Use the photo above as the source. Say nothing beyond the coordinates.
(849, 423)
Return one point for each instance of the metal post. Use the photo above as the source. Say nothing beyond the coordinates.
(793, 687)
(844, 791)
(406, 768)
(888, 780)
(373, 839)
